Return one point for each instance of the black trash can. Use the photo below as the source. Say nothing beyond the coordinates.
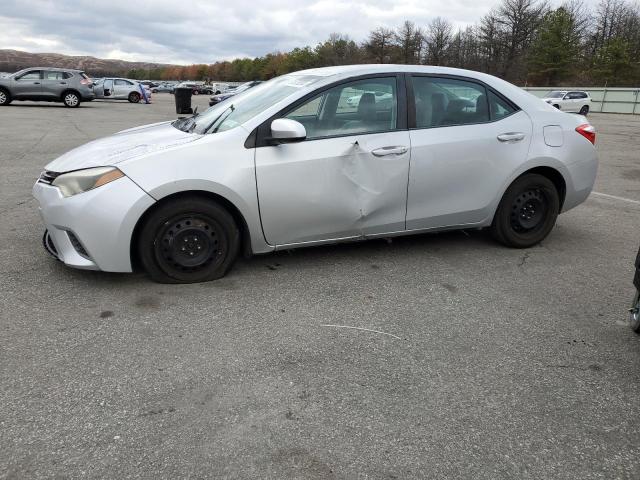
(183, 100)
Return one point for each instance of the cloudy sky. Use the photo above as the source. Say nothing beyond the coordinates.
(190, 31)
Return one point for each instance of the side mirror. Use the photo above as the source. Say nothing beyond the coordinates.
(284, 130)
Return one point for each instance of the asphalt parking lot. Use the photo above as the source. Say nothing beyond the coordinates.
(493, 363)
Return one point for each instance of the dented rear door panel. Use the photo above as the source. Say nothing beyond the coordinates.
(332, 188)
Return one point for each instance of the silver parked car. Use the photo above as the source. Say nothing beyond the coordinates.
(120, 89)
(289, 163)
(48, 84)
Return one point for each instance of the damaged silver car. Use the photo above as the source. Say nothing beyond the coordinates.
(296, 161)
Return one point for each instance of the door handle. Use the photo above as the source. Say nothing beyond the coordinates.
(36, 83)
(511, 137)
(63, 83)
(384, 151)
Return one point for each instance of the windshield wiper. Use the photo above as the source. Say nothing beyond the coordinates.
(186, 124)
(230, 108)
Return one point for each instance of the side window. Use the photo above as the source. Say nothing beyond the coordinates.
(123, 82)
(54, 76)
(498, 107)
(32, 75)
(66, 75)
(363, 106)
(442, 102)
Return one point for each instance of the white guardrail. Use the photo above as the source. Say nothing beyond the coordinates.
(604, 99)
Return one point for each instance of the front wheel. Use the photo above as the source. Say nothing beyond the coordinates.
(189, 240)
(71, 99)
(634, 315)
(527, 212)
(134, 97)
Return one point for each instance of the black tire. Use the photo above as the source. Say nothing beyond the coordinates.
(196, 92)
(218, 92)
(188, 240)
(71, 99)
(134, 97)
(154, 91)
(634, 315)
(584, 110)
(557, 106)
(527, 212)
(5, 97)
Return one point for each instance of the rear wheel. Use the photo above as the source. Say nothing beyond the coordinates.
(71, 99)
(634, 316)
(189, 240)
(527, 212)
(584, 110)
(5, 97)
(134, 97)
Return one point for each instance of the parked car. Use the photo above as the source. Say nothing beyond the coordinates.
(120, 89)
(230, 93)
(148, 83)
(634, 311)
(576, 101)
(180, 198)
(165, 87)
(197, 88)
(48, 84)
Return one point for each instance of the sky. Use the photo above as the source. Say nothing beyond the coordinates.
(189, 31)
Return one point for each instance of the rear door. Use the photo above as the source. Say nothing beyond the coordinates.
(54, 83)
(349, 177)
(122, 88)
(28, 85)
(466, 140)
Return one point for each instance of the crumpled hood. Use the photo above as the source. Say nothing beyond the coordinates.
(122, 146)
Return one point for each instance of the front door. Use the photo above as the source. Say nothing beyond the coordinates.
(466, 142)
(28, 85)
(349, 177)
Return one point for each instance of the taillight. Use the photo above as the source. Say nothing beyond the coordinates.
(86, 81)
(587, 131)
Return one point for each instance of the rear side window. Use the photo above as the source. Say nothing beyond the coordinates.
(123, 82)
(498, 107)
(54, 76)
(441, 102)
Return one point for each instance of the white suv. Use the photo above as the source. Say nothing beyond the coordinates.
(577, 101)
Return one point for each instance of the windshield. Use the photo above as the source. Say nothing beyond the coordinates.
(245, 105)
(556, 94)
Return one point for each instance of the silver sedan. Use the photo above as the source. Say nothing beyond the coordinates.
(293, 163)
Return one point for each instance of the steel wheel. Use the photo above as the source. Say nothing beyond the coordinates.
(71, 99)
(634, 313)
(528, 211)
(190, 244)
(191, 239)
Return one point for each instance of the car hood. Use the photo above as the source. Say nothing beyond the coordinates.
(121, 146)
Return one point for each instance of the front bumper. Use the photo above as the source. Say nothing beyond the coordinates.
(93, 230)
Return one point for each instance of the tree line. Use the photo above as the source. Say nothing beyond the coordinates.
(522, 41)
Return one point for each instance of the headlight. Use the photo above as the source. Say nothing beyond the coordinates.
(80, 181)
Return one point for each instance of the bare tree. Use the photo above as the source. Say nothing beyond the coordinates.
(438, 37)
(380, 44)
(409, 40)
